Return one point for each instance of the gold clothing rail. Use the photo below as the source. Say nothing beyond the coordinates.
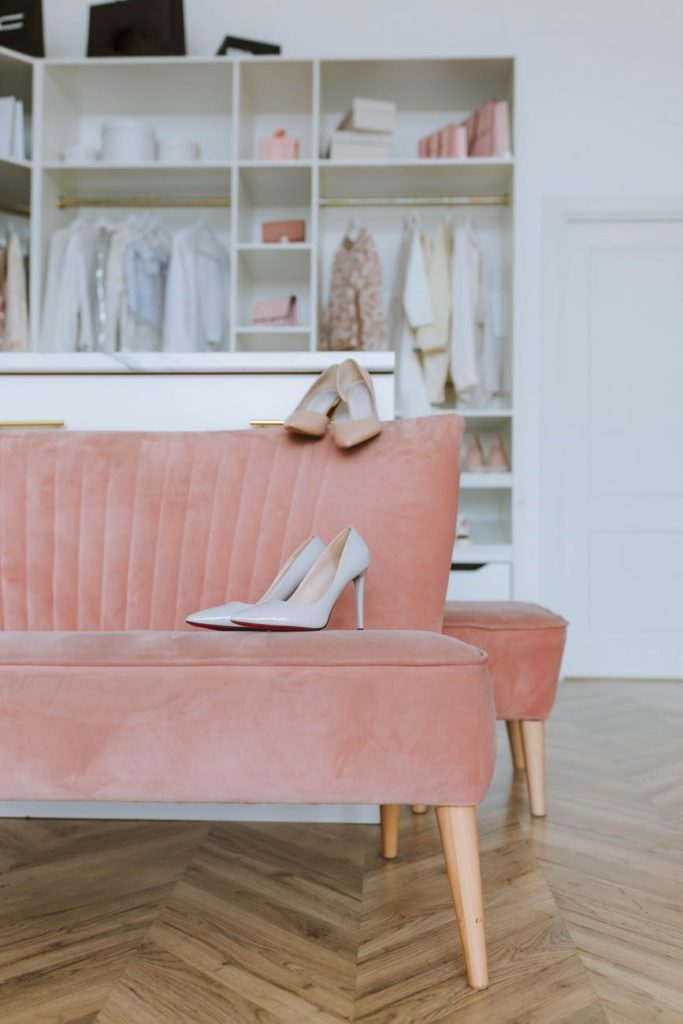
(500, 200)
(144, 202)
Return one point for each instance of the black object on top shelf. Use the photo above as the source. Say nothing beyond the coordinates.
(21, 26)
(137, 28)
(252, 46)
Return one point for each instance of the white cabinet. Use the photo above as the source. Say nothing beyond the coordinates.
(226, 106)
(230, 393)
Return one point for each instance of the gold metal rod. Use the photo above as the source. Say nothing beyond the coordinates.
(139, 202)
(502, 200)
(16, 211)
(266, 423)
(30, 424)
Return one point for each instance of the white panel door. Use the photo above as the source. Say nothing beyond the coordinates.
(613, 458)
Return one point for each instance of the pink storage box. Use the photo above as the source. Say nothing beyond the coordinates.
(283, 230)
(279, 146)
(277, 312)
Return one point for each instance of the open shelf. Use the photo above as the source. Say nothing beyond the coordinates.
(97, 181)
(15, 183)
(187, 100)
(489, 543)
(428, 93)
(268, 193)
(275, 95)
(416, 178)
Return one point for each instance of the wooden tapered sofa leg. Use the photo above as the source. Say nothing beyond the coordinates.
(458, 828)
(533, 737)
(516, 744)
(389, 817)
(419, 808)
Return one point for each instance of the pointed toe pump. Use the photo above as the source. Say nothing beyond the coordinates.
(283, 586)
(312, 415)
(347, 558)
(357, 392)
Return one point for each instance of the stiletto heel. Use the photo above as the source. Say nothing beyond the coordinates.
(283, 586)
(359, 584)
(310, 606)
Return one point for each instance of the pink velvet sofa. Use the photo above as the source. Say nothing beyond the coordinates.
(107, 542)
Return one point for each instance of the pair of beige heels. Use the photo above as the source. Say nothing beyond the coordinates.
(345, 387)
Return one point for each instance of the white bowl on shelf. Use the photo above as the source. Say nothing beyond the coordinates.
(179, 151)
(128, 140)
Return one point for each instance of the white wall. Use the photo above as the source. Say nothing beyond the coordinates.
(598, 104)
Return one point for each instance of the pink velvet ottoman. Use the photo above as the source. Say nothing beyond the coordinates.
(524, 643)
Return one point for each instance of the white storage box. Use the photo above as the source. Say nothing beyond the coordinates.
(360, 146)
(370, 116)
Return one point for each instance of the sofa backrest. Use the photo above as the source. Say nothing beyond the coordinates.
(114, 531)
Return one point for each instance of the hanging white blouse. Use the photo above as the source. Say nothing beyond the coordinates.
(410, 308)
(16, 329)
(474, 364)
(68, 313)
(196, 311)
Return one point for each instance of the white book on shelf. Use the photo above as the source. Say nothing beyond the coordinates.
(18, 132)
(7, 104)
(370, 116)
(348, 145)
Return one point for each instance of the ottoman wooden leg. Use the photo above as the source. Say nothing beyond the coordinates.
(389, 817)
(516, 744)
(458, 828)
(419, 808)
(534, 755)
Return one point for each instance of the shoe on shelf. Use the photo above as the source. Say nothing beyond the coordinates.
(474, 458)
(283, 586)
(312, 415)
(357, 392)
(345, 559)
(498, 461)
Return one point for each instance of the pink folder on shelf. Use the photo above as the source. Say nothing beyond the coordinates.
(491, 130)
(277, 312)
(454, 141)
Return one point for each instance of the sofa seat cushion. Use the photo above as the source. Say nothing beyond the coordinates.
(524, 643)
(329, 717)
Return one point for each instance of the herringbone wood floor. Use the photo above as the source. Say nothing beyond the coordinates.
(166, 923)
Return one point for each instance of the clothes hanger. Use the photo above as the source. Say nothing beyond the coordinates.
(353, 228)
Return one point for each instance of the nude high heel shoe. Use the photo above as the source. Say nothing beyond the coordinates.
(356, 390)
(498, 461)
(310, 606)
(312, 415)
(474, 459)
(283, 586)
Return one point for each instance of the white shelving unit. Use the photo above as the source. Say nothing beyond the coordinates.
(227, 105)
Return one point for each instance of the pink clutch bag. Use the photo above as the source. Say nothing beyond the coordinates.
(283, 230)
(279, 146)
(279, 312)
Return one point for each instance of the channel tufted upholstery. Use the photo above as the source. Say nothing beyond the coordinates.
(119, 531)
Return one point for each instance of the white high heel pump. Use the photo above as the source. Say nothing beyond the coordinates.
(283, 586)
(310, 606)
